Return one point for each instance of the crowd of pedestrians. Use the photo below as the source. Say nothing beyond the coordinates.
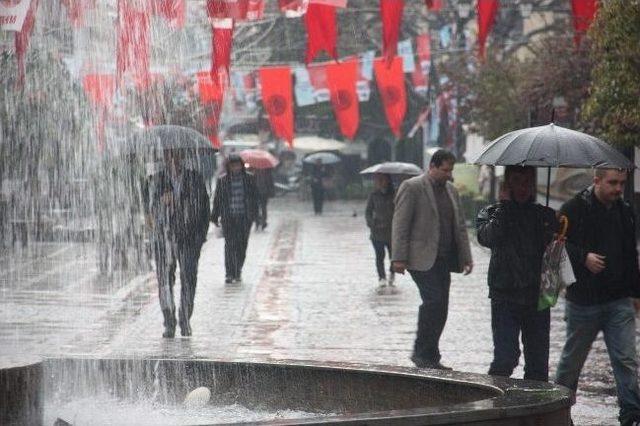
(421, 227)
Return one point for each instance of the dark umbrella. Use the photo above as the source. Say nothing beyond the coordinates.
(552, 146)
(324, 157)
(152, 142)
(393, 168)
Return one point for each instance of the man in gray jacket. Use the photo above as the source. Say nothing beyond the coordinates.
(429, 239)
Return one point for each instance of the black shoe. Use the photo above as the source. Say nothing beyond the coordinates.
(424, 363)
(264, 225)
(237, 279)
(169, 332)
(228, 280)
(185, 330)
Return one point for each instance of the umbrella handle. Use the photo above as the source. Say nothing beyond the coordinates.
(564, 225)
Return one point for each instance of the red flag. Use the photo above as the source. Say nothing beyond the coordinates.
(221, 41)
(434, 5)
(390, 80)
(221, 9)
(487, 10)
(420, 76)
(391, 15)
(277, 97)
(133, 42)
(322, 33)
(171, 10)
(583, 13)
(76, 10)
(211, 97)
(100, 89)
(342, 79)
(22, 40)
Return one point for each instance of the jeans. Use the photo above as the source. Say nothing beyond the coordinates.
(236, 232)
(616, 320)
(167, 254)
(432, 315)
(508, 321)
(379, 247)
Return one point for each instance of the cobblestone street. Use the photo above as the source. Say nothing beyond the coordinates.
(308, 293)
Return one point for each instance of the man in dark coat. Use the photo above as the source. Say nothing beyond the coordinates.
(235, 207)
(379, 216)
(179, 210)
(318, 174)
(517, 230)
(601, 243)
(266, 189)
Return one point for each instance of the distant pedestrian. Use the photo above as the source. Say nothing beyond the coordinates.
(265, 189)
(379, 216)
(429, 239)
(601, 243)
(517, 230)
(319, 174)
(179, 212)
(235, 207)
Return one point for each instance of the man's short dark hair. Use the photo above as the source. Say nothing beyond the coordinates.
(440, 156)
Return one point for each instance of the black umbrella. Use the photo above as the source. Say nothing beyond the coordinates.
(552, 146)
(152, 142)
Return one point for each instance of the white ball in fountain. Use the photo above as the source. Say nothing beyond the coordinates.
(197, 398)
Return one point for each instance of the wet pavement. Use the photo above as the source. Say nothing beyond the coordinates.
(308, 293)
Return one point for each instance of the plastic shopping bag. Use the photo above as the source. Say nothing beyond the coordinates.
(557, 272)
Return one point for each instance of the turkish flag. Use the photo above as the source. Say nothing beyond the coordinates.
(171, 10)
(391, 15)
(221, 42)
(583, 13)
(211, 97)
(434, 5)
(390, 80)
(238, 10)
(132, 50)
(76, 10)
(420, 76)
(342, 80)
(100, 89)
(487, 10)
(322, 34)
(21, 40)
(277, 97)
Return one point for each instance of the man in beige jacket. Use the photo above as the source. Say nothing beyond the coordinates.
(429, 239)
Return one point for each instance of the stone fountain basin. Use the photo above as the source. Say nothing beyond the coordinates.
(338, 393)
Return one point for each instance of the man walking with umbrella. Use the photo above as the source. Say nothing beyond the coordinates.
(429, 239)
(517, 230)
(602, 248)
(179, 206)
(235, 207)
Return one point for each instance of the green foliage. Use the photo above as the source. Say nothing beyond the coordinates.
(614, 102)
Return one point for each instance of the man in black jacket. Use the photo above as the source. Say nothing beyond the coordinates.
(235, 206)
(601, 244)
(517, 230)
(179, 218)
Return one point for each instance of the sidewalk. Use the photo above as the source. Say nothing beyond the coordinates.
(309, 293)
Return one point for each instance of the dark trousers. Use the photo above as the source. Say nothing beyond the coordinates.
(317, 193)
(262, 211)
(434, 290)
(236, 230)
(379, 247)
(167, 255)
(508, 321)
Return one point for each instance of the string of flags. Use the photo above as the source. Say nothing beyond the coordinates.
(344, 82)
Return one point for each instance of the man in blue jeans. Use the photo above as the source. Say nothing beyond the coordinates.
(517, 230)
(601, 244)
